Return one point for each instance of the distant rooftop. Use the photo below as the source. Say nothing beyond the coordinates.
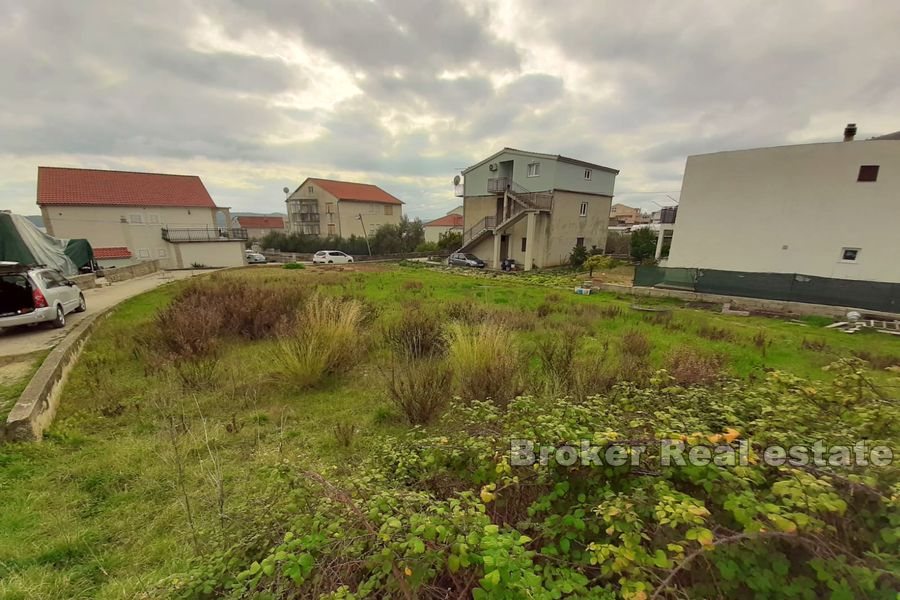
(557, 157)
(59, 186)
(355, 192)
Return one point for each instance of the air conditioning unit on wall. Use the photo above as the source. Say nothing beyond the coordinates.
(492, 167)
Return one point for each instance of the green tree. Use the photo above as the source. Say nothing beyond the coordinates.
(643, 244)
(578, 256)
(450, 241)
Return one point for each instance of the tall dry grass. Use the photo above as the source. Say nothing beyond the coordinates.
(419, 389)
(486, 362)
(325, 336)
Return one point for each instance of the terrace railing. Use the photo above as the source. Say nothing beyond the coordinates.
(207, 234)
(485, 224)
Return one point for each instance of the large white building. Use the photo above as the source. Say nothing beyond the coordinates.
(129, 217)
(827, 210)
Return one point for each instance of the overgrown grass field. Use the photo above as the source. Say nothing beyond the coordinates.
(216, 438)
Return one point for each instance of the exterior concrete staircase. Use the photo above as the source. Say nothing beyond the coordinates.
(518, 204)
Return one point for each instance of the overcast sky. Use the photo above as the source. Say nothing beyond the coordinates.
(256, 95)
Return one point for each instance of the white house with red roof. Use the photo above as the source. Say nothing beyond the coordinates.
(452, 222)
(129, 217)
(258, 226)
(326, 207)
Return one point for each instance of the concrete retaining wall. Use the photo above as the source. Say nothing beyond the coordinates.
(138, 270)
(37, 404)
(799, 309)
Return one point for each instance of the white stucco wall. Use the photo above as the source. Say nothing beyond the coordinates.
(433, 233)
(141, 232)
(792, 209)
(209, 254)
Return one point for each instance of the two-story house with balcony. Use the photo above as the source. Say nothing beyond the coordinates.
(535, 208)
(129, 217)
(325, 207)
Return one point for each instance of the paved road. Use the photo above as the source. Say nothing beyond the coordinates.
(14, 342)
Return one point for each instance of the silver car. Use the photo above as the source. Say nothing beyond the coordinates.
(30, 295)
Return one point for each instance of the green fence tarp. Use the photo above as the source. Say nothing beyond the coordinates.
(12, 248)
(80, 252)
(792, 287)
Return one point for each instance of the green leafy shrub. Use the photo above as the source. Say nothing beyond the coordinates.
(450, 511)
(293, 266)
(578, 255)
(643, 244)
(485, 361)
(599, 262)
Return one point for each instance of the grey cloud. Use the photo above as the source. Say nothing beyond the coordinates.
(657, 81)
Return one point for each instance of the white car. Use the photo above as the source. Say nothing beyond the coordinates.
(255, 258)
(30, 295)
(331, 256)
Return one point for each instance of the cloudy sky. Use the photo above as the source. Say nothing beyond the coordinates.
(256, 95)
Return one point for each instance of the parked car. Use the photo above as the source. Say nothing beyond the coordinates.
(255, 258)
(461, 259)
(331, 256)
(30, 295)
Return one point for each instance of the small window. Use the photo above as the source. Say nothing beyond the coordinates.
(534, 169)
(331, 229)
(388, 210)
(582, 212)
(311, 190)
(161, 252)
(144, 253)
(524, 244)
(868, 173)
(136, 218)
(329, 207)
(588, 173)
(849, 254)
(153, 219)
(579, 242)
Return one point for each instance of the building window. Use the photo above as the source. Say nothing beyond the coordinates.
(329, 208)
(331, 229)
(524, 243)
(868, 173)
(311, 190)
(588, 174)
(136, 218)
(153, 219)
(143, 253)
(161, 252)
(579, 242)
(388, 210)
(849, 254)
(582, 212)
(534, 169)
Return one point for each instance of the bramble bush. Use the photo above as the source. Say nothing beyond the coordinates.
(444, 513)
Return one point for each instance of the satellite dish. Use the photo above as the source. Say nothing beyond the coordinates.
(456, 180)
(286, 190)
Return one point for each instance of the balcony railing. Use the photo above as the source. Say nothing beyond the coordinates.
(485, 224)
(497, 185)
(207, 234)
(307, 217)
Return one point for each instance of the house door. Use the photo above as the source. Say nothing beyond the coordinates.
(500, 216)
(504, 247)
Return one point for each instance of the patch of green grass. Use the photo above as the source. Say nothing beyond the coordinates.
(97, 510)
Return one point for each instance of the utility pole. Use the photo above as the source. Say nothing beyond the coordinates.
(365, 234)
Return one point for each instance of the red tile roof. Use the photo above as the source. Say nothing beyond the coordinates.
(108, 253)
(261, 222)
(92, 187)
(357, 192)
(452, 220)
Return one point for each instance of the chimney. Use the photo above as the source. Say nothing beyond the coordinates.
(849, 132)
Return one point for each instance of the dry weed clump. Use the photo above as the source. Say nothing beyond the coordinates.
(690, 367)
(635, 344)
(325, 335)
(485, 362)
(419, 389)
(416, 334)
(715, 334)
